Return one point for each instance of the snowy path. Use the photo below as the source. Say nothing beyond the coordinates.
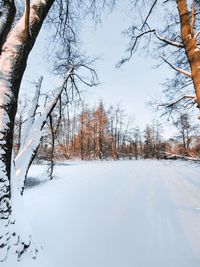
(118, 214)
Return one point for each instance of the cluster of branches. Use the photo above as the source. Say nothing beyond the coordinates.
(175, 40)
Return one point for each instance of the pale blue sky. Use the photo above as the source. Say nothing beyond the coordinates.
(132, 86)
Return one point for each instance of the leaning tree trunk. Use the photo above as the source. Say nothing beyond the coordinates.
(13, 58)
(32, 134)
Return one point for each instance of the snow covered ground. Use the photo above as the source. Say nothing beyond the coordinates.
(115, 214)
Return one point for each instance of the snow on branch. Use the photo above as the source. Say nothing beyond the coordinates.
(167, 41)
(33, 134)
(136, 39)
(185, 72)
(197, 34)
(31, 114)
(30, 21)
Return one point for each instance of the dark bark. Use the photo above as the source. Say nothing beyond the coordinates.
(51, 156)
(9, 6)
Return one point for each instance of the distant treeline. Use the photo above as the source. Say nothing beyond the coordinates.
(100, 133)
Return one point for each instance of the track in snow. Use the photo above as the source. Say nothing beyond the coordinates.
(119, 214)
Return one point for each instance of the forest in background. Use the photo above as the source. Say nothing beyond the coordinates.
(77, 131)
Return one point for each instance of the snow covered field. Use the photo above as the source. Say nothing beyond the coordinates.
(115, 214)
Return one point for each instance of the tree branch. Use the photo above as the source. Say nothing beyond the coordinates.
(167, 41)
(185, 72)
(149, 13)
(83, 81)
(197, 34)
(179, 100)
(27, 17)
(169, 107)
(133, 46)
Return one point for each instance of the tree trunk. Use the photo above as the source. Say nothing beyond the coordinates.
(13, 60)
(7, 16)
(190, 46)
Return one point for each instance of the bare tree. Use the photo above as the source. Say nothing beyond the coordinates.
(177, 40)
(186, 131)
(153, 140)
(101, 119)
(19, 28)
